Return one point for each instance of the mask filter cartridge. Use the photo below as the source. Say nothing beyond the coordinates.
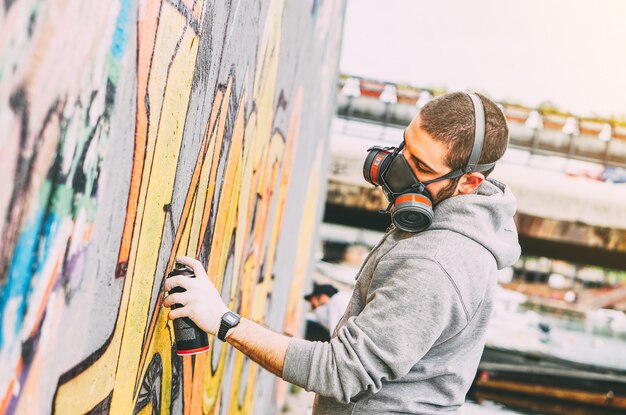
(412, 212)
(412, 205)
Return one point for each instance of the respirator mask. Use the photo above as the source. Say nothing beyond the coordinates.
(410, 204)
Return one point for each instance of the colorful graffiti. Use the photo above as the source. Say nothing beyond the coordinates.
(204, 133)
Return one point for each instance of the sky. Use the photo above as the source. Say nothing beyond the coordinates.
(571, 53)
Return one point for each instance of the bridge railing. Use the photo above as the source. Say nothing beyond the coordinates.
(542, 131)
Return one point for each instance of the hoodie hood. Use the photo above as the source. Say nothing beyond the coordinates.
(485, 217)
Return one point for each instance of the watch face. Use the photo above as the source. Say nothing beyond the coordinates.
(230, 318)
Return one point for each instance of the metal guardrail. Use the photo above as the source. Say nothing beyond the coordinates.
(551, 134)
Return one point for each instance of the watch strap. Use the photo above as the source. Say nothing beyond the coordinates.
(225, 326)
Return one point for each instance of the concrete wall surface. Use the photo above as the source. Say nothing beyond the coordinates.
(111, 110)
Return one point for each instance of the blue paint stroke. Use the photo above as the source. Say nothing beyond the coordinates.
(315, 5)
(121, 30)
(30, 255)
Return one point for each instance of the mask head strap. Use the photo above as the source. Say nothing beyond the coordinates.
(477, 148)
(479, 132)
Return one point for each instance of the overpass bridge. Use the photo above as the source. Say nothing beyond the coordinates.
(574, 219)
(544, 130)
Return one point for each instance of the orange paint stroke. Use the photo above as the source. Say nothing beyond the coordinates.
(146, 37)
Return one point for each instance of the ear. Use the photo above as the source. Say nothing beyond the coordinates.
(470, 182)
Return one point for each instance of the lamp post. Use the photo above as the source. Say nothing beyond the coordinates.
(534, 121)
(351, 89)
(606, 134)
(389, 97)
(424, 98)
(572, 131)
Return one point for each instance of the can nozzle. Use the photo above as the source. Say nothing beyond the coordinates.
(178, 266)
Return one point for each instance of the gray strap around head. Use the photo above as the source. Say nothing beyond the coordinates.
(477, 149)
(479, 137)
(479, 132)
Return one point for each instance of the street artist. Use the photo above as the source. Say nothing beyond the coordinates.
(412, 336)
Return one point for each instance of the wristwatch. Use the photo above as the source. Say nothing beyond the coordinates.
(229, 320)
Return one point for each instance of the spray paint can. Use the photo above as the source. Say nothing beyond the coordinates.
(190, 339)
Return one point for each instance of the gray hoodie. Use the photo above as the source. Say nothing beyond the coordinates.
(414, 330)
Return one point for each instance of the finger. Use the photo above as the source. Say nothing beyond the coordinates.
(179, 312)
(178, 281)
(176, 298)
(192, 263)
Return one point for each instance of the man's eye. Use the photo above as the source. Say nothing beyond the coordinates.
(419, 166)
(421, 169)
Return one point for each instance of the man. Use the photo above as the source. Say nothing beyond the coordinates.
(327, 308)
(413, 334)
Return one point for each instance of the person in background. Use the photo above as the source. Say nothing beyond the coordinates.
(327, 308)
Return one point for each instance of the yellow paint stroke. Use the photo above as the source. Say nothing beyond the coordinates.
(143, 261)
(118, 365)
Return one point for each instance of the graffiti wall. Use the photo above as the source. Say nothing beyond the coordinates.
(133, 132)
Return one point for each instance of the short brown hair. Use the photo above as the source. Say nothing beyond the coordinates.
(450, 119)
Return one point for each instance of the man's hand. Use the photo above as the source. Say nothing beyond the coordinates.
(201, 302)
